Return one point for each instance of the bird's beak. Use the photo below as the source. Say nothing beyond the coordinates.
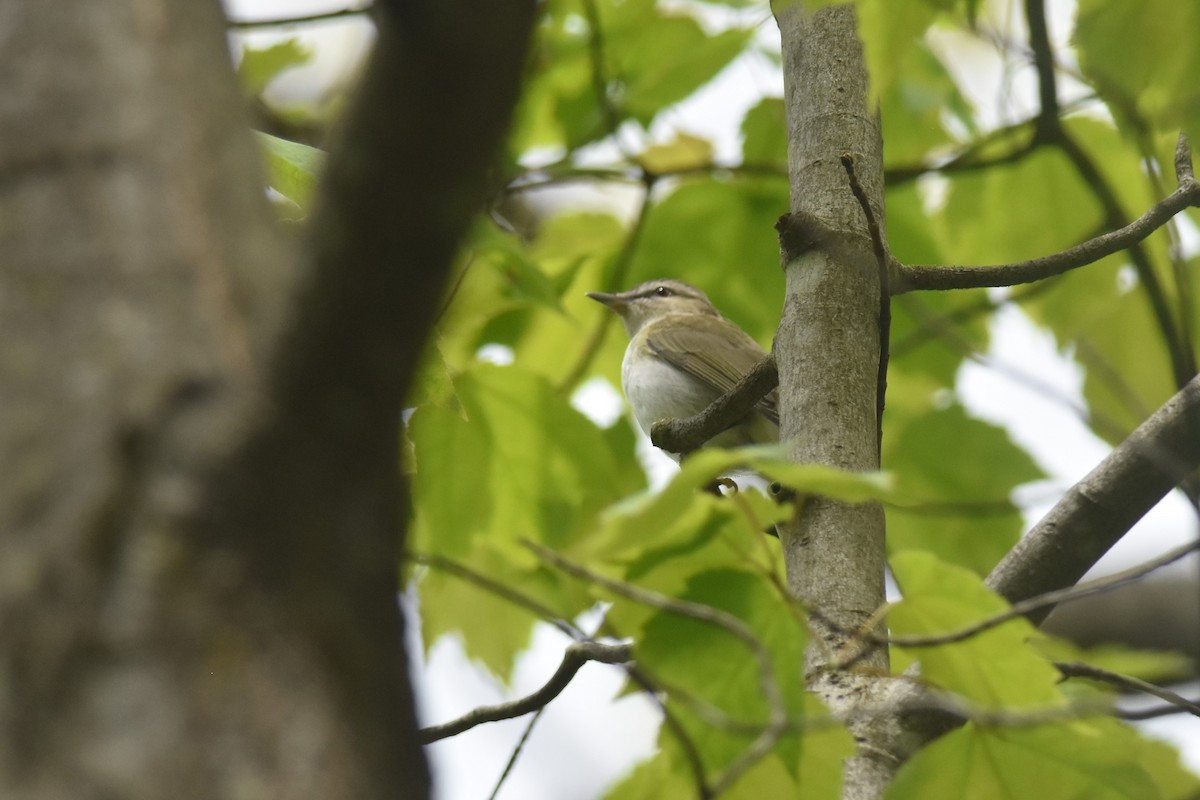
(613, 301)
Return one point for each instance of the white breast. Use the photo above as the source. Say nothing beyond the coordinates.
(656, 390)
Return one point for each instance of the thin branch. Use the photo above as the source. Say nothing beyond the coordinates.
(516, 753)
(966, 161)
(691, 753)
(777, 715)
(932, 325)
(638, 676)
(1025, 608)
(1184, 171)
(1154, 712)
(1078, 669)
(968, 158)
(957, 341)
(921, 277)
(1098, 510)
(687, 434)
(566, 173)
(250, 24)
(1043, 60)
(501, 590)
(885, 297)
(686, 608)
(1183, 358)
(576, 655)
(967, 711)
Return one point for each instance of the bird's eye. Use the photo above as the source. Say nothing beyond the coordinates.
(663, 291)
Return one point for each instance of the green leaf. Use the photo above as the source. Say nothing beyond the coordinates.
(995, 667)
(919, 98)
(963, 470)
(637, 523)
(1097, 759)
(1139, 83)
(450, 606)
(574, 251)
(452, 502)
(1100, 314)
(260, 66)
(292, 168)
(708, 662)
(522, 464)
(981, 223)
(890, 30)
(719, 235)
(824, 481)
(558, 105)
(659, 57)
(764, 133)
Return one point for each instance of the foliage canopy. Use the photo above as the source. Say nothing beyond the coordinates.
(601, 187)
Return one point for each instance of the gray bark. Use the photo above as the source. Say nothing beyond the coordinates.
(827, 350)
(201, 510)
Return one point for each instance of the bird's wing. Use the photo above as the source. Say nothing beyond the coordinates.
(695, 349)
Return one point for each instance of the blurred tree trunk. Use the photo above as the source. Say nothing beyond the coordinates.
(201, 509)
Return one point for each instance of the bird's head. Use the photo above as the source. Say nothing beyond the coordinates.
(652, 300)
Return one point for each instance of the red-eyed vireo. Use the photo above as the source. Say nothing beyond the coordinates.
(682, 355)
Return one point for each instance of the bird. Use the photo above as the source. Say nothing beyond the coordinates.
(683, 355)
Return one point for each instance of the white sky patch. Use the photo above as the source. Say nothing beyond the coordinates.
(495, 354)
(599, 401)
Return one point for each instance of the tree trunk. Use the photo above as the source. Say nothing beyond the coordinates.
(201, 512)
(828, 350)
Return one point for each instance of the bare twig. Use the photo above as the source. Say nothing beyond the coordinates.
(955, 340)
(501, 590)
(577, 654)
(567, 173)
(967, 711)
(966, 161)
(637, 675)
(864, 640)
(1025, 608)
(885, 296)
(688, 434)
(691, 753)
(697, 611)
(1183, 359)
(1154, 712)
(932, 325)
(1043, 60)
(1184, 172)
(1078, 669)
(777, 723)
(920, 277)
(248, 24)
(516, 753)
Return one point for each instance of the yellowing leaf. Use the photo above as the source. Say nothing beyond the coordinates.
(683, 152)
